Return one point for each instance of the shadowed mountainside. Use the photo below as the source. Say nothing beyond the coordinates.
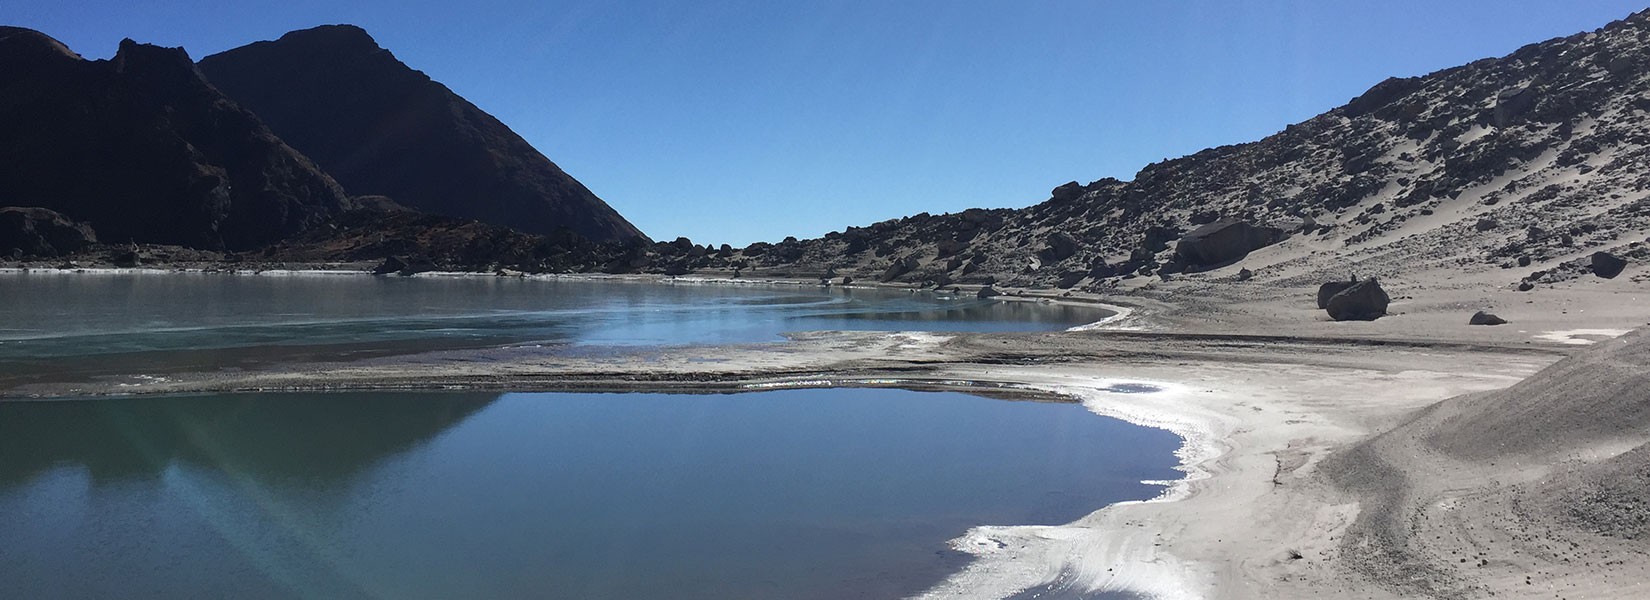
(382, 128)
(143, 149)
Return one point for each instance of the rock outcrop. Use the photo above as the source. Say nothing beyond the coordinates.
(142, 148)
(382, 128)
(33, 231)
(1223, 242)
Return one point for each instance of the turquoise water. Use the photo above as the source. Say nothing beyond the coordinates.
(78, 325)
(842, 493)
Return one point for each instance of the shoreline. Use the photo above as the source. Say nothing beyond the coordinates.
(1258, 408)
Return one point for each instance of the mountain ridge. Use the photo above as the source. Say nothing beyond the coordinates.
(144, 149)
(383, 128)
(1400, 175)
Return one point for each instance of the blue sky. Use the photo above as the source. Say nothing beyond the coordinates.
(742, 120)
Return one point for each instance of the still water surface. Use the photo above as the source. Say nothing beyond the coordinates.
(786, 494)
(72, 326)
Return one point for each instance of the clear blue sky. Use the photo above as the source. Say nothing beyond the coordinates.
(742, 120)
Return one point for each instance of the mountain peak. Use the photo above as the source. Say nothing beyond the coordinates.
(333, 38)
(382, 128)
(21, 44)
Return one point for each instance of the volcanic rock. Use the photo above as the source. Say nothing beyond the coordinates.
(380, 127)
(1222, 242)
(1484, 318)
(143, 149)
(900, 267)
(40, 232)
(1329, 289)
(1363, 301)
(1608, 265)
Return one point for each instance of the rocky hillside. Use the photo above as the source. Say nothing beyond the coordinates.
(382, 128)
(1515, 167)
(142, 148)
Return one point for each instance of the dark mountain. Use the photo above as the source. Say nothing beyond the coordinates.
(382, 128)
(1528, 161)
(143, 149)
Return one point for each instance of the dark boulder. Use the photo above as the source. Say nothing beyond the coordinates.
(1157, 238)
(127, 259)
(1608, 265)
(1329, 289)
(1363, 301)
(1223, 242)
(1484, 318)
(987, 292)
(1070, 279)
(415, 266)
(41, 232)
(1245, 274)
(900, 267)
(1061, 246)
(1068, 191)
(391, 264)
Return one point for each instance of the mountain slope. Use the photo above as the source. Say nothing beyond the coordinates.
(1537, 478)
(144, 150)
(382, 128)
(1533, 159)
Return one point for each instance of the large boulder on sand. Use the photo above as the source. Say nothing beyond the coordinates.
(1607, 265)
(1329, 289)
(987, 292)
(1223, 242)
(42, 232)
(1363, 301)
(1484, 318)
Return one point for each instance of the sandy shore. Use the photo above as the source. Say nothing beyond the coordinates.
(1261, 387)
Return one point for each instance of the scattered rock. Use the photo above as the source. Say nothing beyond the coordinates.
(1484, 318)
(1525, 286)
(1486, 224)
(987, 292)
(1363, 301)
(1608, 265)
(1245, 274)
